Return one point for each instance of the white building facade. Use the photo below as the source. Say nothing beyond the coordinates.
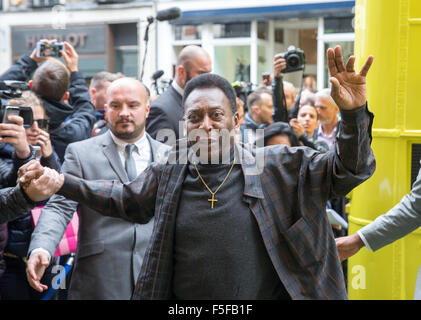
(242, 36)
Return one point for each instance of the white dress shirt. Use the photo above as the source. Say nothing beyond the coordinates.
(177, 88)
(142, 154)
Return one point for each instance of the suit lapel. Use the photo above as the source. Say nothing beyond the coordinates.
(111, 153)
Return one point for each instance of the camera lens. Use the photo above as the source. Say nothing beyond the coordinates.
(293, 61)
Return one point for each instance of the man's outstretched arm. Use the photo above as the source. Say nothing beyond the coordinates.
(399, 221)
(134, 202)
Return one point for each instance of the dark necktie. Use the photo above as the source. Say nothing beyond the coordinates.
(130, 164)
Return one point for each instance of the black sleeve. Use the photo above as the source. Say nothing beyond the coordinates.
(158, 119)
(52, 162)
(9, 175)
(83, 117)
(279, 104)
(21, 70)
(13, 204)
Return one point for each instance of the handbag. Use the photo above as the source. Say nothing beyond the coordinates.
(68, 243)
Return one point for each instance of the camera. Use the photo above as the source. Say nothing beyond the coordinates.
(295, 59)
(10, 89)
(49, 49)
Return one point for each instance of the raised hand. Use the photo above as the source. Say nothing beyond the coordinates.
(13, 132)
(348, 87)
(44, 141)
(70, 57)
(279, 64)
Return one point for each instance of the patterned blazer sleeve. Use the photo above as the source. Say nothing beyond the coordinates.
(348, 163)
(13, 204)
(134, 202)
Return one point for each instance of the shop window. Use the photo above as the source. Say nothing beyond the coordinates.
(187, 32)
(338, 25)
(232, 30)
(233, 62)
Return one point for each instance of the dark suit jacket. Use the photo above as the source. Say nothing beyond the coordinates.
(287, 197)
(166, 112)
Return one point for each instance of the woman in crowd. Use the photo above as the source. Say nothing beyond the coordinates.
(13, 284)
(305, 126)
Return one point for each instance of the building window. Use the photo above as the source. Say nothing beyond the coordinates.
(187, 32)
(232, 30)
(263, 30)
(279, 35)
(338, 25)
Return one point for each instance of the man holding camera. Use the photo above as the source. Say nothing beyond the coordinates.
(56, 83)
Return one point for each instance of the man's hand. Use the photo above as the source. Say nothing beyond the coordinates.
(35, 268)
(348, 246)
(297, 127)
(39, 183)
(14, 133)
(70, 56)
(279, 64)
(348, 87)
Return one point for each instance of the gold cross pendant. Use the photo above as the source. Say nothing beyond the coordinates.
(212, 200)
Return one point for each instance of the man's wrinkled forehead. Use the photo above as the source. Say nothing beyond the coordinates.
(205, 96)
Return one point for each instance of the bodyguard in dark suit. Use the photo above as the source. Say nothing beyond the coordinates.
(167, 110)
(253, 227)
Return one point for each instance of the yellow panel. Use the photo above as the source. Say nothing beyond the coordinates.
(391, 31)
(415, 8)
(413, 87)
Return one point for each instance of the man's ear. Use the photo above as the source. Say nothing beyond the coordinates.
(92, 92)
(31, 84)
(255, 109)
(66, 96)
(147, 109)
(181, 75)
(236, 120)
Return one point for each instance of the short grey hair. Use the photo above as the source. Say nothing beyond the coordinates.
(325, 93)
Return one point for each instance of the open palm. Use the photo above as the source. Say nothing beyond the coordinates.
(348, 87)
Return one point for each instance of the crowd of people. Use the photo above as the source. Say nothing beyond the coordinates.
(167, 245)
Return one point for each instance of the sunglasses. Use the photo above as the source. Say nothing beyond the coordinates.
(43, 124)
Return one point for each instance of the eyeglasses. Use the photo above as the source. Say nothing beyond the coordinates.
(43, 124)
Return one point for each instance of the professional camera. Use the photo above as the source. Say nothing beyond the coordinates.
(295, 59)
(10, 89)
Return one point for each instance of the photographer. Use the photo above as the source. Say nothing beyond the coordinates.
(68, 122)
(285, 99)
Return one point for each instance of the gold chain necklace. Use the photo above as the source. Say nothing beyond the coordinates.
(213, 193)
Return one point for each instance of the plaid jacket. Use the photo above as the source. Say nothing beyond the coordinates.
(287, 197)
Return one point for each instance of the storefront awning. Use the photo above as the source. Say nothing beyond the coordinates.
(300, 11)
